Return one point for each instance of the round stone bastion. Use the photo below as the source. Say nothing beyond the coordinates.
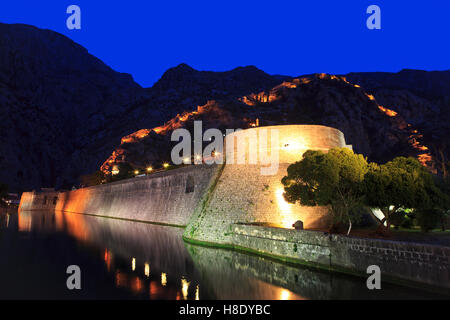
(249, 189)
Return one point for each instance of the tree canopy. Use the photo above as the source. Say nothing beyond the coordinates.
(332, 179)
(400, 183)
(345, 181)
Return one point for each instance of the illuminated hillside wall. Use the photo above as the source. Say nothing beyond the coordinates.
(243, 195)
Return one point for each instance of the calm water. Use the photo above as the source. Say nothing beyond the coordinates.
(129, 260)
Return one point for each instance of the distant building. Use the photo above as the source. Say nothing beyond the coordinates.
(12, 199)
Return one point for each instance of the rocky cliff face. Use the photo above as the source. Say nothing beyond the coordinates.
(422, 99)
(54, 97)
(63, 111)
(374, 130)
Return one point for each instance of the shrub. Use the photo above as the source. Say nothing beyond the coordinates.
(428, 219)
(408, 222)
(398, 218)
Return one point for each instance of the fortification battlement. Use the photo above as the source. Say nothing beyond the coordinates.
(288, 141)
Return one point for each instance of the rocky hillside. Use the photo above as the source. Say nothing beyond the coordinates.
(374, 130)
(63, 111)
(421, 98)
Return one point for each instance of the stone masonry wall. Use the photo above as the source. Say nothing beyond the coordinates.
(168, 197)
(39, 200)
(243, 194)
(408, 261)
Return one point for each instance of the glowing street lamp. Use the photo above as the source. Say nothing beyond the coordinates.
(165, 165)
(136, 172)
(149, 169)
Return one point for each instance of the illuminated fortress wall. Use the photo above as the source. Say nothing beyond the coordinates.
(209, 198)
(167, 197)
(218, 204)
(244, 195)
(45, 200)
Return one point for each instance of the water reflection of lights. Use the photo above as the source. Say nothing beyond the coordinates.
(285, 294)
(147, 270)
(197, 293)
(136, 285)
(133, 264)
(121, 279)
(24, 221)
(108, 259)
(184, 288)
(163, 279)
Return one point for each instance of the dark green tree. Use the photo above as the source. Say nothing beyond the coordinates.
(443, 202)
(400, 183)
(333, 179)
(92, 179)
(125, 172)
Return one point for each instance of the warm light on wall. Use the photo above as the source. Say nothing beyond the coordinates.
(285, 209)
(293, 145)
(389, 112)
(285, 294)
(136, 172)
(149, 169)
(166, 165)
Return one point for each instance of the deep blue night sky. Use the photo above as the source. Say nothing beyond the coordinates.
(295, 37)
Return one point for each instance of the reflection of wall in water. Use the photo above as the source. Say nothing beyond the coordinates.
(160, 246)
(235, 275)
